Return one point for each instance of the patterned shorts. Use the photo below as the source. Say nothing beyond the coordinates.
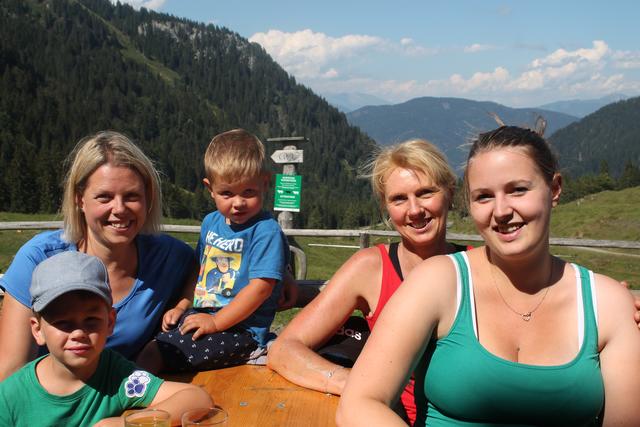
(219, 350)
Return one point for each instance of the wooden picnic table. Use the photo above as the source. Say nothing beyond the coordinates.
(257, 396)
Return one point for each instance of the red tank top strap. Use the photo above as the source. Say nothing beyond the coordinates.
(390, 282)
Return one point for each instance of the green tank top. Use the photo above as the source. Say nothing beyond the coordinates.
(465, 385)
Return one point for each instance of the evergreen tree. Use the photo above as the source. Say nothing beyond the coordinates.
(20, 180)
(630, 176)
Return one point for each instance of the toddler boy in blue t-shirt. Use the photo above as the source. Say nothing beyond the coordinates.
(242, 253)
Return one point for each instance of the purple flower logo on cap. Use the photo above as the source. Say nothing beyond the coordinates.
(136, 385)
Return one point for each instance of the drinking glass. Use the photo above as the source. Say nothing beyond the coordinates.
(205, 417)
(148, 418)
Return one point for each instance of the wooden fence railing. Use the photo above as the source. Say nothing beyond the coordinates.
(363, 235)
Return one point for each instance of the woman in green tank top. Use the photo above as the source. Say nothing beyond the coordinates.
(510, 334)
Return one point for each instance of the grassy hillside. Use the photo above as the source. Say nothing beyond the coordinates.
(610, 215)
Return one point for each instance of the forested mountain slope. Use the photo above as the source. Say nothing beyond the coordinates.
(608, 138)
(70, 68)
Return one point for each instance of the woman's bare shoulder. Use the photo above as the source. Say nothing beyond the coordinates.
(611, 293)
(434, 273)
(364, 264)
(615, 305)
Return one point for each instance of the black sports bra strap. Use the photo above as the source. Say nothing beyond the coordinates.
(395, 261)
(393, 255)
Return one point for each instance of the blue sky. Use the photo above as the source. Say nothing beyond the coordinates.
(514, 52)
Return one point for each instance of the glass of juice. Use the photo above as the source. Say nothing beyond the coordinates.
(148, 418)
(201, 417)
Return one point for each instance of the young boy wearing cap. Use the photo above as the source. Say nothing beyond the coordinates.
(79, 383)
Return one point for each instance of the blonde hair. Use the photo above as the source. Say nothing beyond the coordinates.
(88, 155)
(234, 155)
(417, 155)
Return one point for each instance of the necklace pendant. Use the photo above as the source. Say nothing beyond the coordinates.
(526, 316)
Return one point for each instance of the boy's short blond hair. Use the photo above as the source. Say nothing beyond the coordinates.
(234, 156)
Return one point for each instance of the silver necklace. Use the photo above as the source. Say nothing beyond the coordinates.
(526, 316)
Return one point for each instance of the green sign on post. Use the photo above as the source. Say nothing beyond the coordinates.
(287, 197)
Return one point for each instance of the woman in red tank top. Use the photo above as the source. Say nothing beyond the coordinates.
(415, 185)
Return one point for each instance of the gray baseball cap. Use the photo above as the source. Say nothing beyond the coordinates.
(67, 272)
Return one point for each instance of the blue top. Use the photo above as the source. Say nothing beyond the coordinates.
(231, 255)
(466, 385)
(164, 264)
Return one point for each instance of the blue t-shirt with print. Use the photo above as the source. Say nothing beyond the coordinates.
(231, 255)
(164, 264)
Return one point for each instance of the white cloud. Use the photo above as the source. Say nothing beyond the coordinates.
(562, 68)
(581, 73)
(396, 90)
(626, 60)
(306, 53)
(309, 55)
(318, 61)
(148, 4)
(477, 47)
(594, 55)
(330, 74)
(601, 84)
(409, 47)
(494, 80)
(537, 78)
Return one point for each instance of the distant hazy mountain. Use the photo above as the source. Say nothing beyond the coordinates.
(611, 135)
(347, 102)
(582, 107)
(447, 122)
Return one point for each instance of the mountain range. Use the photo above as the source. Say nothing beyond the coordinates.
(347, 102)
(450, 123)
(582, 107)
(69, 68)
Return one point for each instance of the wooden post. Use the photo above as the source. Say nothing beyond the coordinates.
(365, 240)
(288, 161)
(285, 218)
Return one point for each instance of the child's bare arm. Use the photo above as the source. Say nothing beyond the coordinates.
(176, 398)
(171, 317)
(241, 306)
(173, 397)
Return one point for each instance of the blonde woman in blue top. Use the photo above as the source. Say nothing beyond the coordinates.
(511, 334)
(112, 207)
